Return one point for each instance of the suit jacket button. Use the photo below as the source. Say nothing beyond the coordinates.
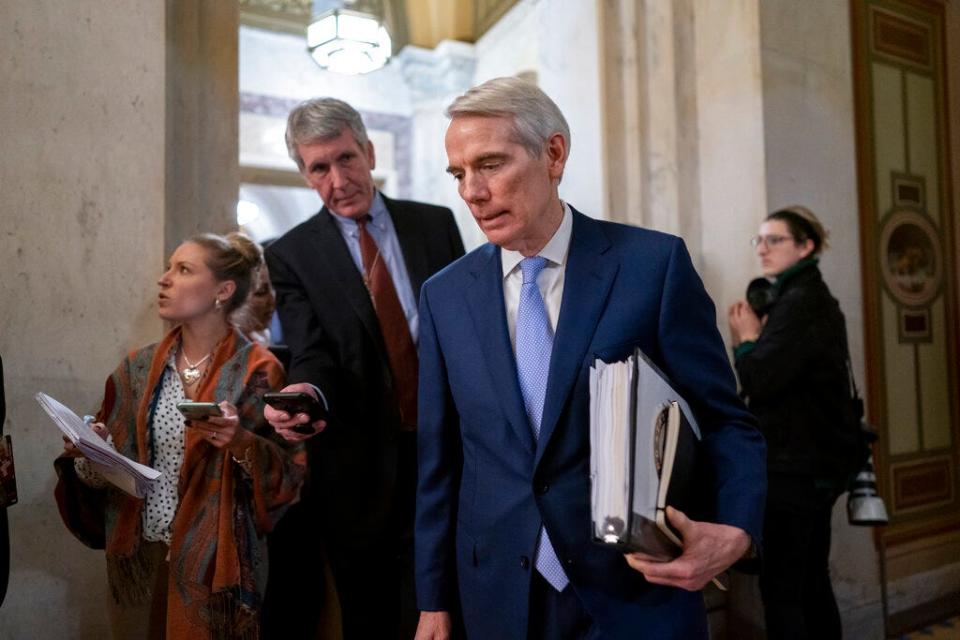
(524, 562)
(543, 488)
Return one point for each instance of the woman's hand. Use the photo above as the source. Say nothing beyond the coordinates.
(745, 326)
(224, 431)
(71, 450)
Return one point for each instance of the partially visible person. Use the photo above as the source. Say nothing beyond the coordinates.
(792, 360)
(254, 319)
(188, 560)
(4, 529)
(348, 283)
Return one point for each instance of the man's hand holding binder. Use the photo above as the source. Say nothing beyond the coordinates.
(708, 550)
(645, 467)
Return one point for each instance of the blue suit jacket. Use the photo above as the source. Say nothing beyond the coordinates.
(485, 485)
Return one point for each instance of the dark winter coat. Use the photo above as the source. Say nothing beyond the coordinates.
(795, 380)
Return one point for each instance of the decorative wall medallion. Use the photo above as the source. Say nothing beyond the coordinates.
(911, 260)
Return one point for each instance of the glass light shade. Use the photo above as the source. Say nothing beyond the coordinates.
(357, 28)
(348, 42)
(322, 30)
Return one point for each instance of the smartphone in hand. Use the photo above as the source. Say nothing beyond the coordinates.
(294, 402)
(199, 410)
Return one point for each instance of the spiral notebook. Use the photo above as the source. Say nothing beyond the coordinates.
(644, 443)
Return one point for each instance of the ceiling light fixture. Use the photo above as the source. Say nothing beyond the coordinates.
(347, 36)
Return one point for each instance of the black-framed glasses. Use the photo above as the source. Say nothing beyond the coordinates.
(769, 241)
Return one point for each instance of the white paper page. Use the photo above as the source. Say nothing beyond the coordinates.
(92, 445)
(120, 479)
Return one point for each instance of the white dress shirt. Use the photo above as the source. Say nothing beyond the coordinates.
(550, 279)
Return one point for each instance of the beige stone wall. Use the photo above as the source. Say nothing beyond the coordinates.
(82, 181)
(85, 120)
(683, 126)
(731, 123)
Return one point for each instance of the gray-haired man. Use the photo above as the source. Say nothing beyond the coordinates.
(348, 282)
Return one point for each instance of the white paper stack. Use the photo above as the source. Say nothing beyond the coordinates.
(642, 455)
(128, 475)
(611, 440)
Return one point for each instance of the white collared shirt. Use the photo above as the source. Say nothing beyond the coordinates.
(550, 279)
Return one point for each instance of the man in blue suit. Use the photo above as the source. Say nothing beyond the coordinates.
(508, 335)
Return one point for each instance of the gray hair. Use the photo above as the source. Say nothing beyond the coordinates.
(321, 119)
(534, 115)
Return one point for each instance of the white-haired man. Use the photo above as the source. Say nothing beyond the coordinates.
(507, 335)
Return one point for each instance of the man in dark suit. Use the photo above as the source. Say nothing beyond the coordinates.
(347, 282)
(507, 338)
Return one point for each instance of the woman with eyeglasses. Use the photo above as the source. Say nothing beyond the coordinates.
(790, 350)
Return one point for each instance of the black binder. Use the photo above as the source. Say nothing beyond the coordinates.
(644, 447)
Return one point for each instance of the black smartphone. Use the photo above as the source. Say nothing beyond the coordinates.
(199, 410)
(294, 402)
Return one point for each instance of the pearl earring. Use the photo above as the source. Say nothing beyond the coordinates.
(217, 303)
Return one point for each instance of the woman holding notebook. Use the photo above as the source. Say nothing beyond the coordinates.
(790, 348)
(188, 560)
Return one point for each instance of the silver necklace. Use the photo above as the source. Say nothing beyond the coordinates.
(191, 373)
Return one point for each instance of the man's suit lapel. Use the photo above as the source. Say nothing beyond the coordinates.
(587, 282)
(333, 250)
(485, 297)
(413, 244)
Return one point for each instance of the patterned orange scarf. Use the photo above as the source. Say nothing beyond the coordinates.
(217, 572)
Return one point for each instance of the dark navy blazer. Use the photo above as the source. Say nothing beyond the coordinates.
(485, 485)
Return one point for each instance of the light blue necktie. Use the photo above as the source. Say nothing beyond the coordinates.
(534, 344)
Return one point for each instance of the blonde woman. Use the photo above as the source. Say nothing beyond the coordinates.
(189, 560)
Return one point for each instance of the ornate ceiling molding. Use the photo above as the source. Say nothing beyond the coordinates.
(287, 16)
(433, 20)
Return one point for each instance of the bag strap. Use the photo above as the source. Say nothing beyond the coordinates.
(854, 392)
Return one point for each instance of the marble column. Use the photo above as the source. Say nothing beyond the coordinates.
(435, 77)
(683, 128)
(202, 119)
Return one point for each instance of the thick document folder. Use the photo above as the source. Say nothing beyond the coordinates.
(644, 443)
